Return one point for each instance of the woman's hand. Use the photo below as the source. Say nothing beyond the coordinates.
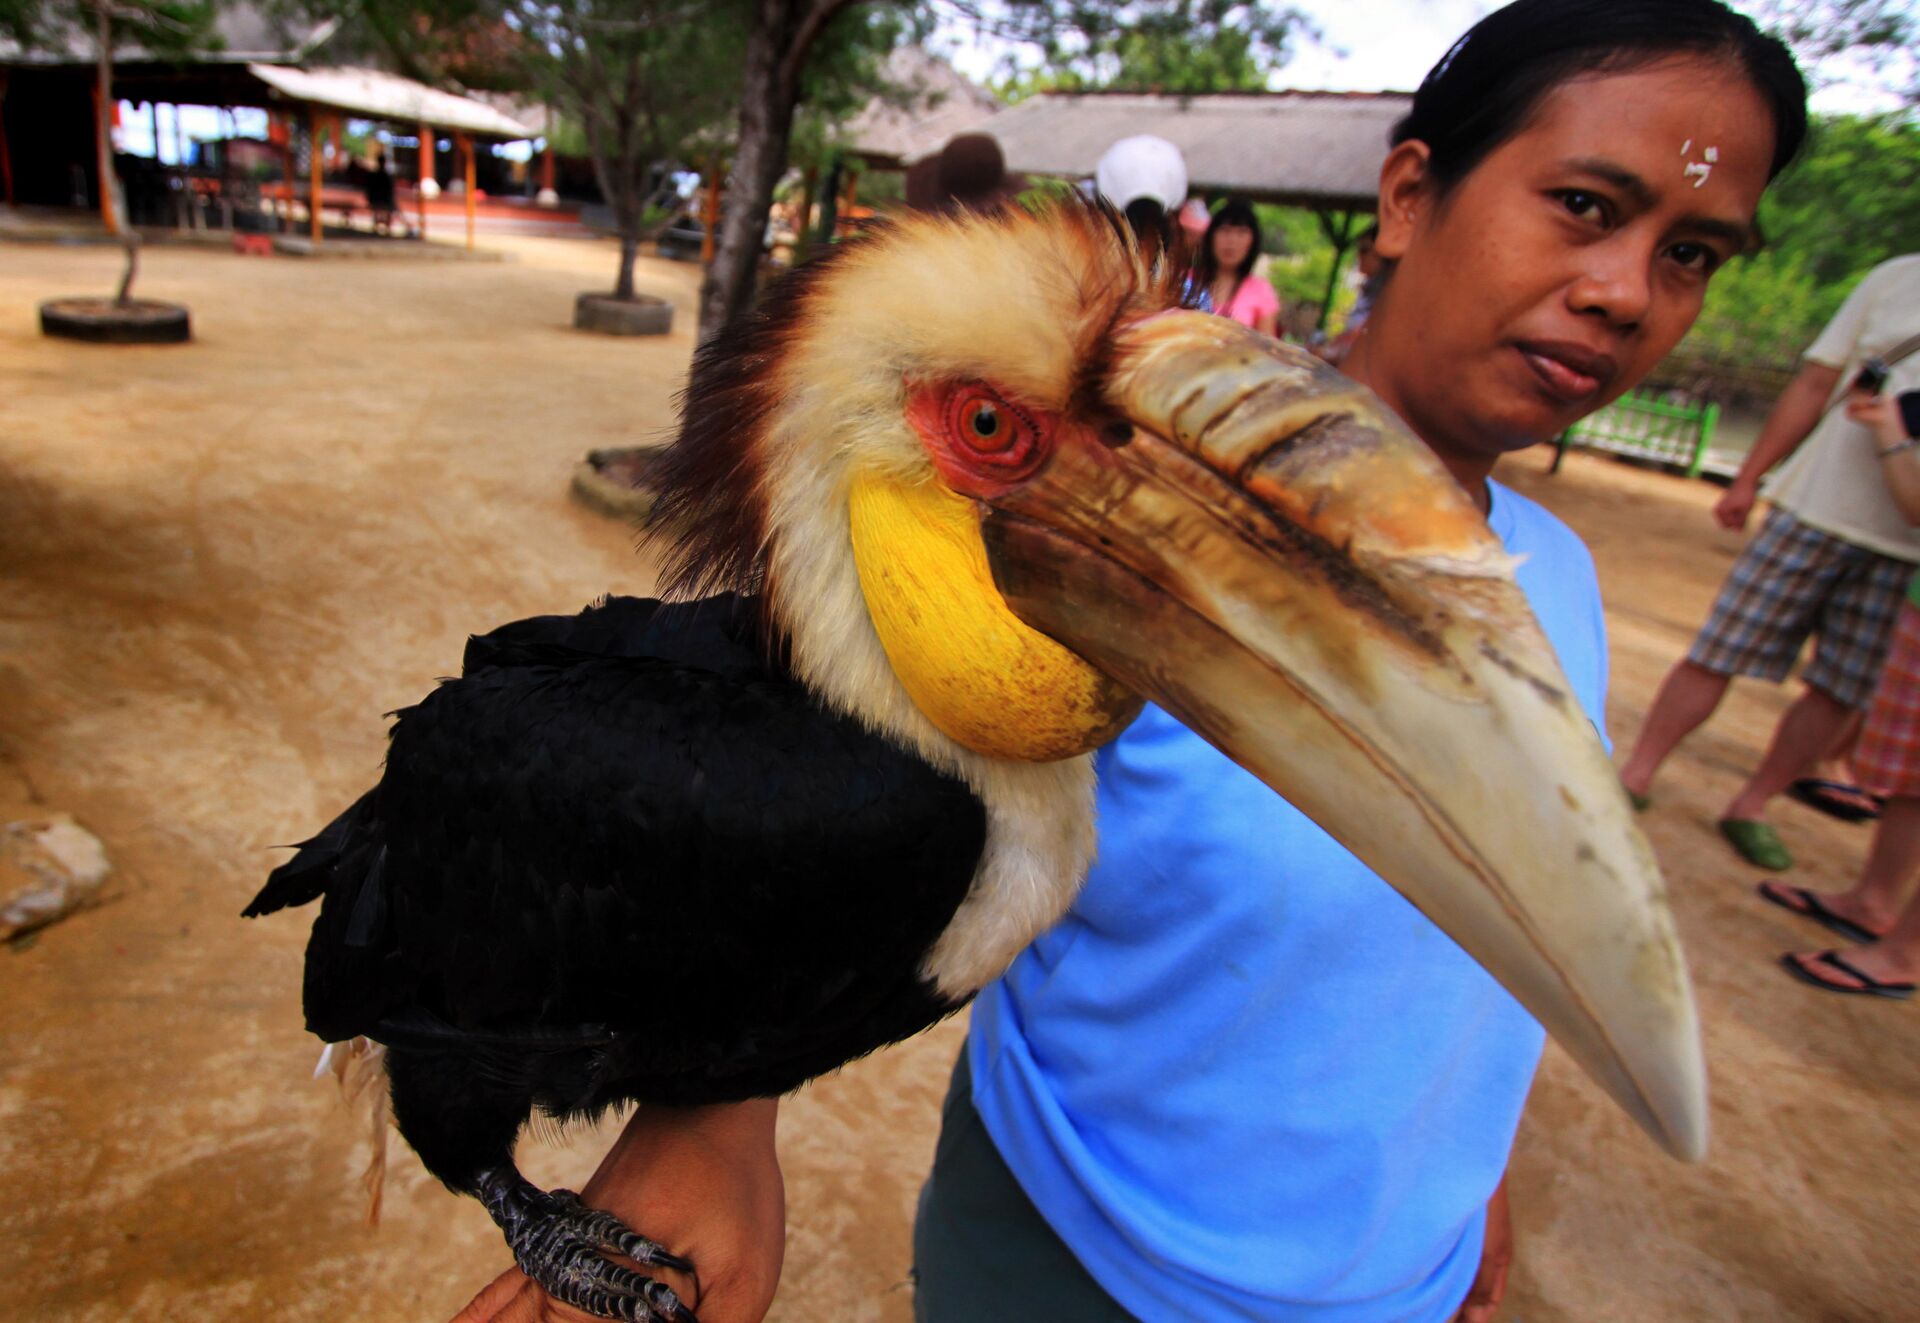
(703, 1181)
(1496, 1257)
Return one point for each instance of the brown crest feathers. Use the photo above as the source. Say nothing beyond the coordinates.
(709, 505)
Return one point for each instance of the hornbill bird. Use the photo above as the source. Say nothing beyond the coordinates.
(962, 493)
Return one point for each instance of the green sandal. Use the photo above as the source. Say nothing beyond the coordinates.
(1757, 843)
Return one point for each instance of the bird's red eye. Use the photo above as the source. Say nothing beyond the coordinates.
(980, 440)
(983, 425)
(985, 429)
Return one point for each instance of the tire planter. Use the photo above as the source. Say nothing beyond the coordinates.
(618, 482)
(607, 315)
(107, 322)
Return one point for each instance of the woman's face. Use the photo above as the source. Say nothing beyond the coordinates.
(1569, 261)
(1231, 244)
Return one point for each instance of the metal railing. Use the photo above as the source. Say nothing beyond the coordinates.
(1642, 426)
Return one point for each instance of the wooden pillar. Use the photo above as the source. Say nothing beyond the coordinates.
(426, 173)
(6, 160)
(710, 216)
(466, 150)
(280, 133)
(313, 174)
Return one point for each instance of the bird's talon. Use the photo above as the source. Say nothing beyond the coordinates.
(562, 1244)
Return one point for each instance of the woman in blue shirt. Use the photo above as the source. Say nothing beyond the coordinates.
(1244, 1079)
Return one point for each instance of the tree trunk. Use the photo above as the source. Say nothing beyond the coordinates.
(629, 249)
(110, 195)
(766, 123)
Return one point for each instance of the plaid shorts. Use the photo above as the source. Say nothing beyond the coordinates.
(1793, 581)
(1887, 759)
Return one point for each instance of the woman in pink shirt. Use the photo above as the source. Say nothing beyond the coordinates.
(1225, 269)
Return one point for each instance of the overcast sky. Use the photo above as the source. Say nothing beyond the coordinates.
(1388, 45)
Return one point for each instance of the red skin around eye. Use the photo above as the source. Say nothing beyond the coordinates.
(942, 414)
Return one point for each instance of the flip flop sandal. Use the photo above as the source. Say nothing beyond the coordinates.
(1869, 985)
(1808, 905)
(1836, 799)
(1757, 843)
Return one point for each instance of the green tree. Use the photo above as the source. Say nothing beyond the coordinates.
(1852, 199)
(1181, 46)
(163, 28)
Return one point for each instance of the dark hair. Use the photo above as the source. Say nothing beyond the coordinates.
(1148, 219)
(1235, 211)
(1483, 91)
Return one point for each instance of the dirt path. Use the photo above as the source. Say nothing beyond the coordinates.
(220, 564)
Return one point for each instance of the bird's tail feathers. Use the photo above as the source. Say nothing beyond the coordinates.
(359, 1067)
(304, 878)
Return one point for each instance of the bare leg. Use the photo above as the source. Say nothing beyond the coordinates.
(1686, 699)
(1895, 958)
(1877, 899)
(1838, 761)
(1805, 733)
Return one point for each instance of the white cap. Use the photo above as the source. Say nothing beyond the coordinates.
(1142, 167)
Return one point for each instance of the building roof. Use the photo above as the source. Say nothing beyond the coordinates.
(1314, 149)
(931, 102)
(371, 94)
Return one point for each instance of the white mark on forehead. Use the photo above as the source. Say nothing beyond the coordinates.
(1699, 171)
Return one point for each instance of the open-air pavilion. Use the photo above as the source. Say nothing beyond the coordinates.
(49, 101)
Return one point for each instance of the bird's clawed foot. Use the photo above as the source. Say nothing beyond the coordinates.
(563, 1245)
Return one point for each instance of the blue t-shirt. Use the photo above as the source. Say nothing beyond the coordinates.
(1243, 1078)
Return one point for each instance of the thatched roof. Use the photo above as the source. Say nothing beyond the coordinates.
(931, 101)
(1314, 149)
(389, 98)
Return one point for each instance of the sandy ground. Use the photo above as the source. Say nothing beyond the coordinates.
(220, 564)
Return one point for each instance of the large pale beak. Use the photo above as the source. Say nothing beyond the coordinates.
(1272, 558)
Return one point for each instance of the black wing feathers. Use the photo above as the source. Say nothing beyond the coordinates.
(678, 854)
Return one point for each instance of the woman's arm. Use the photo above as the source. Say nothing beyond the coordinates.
(703, 1181)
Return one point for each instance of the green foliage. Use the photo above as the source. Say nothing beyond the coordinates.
(1759, 314)
(161, 27)
(1852, 200)
(846, 69)
(1159, 45)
